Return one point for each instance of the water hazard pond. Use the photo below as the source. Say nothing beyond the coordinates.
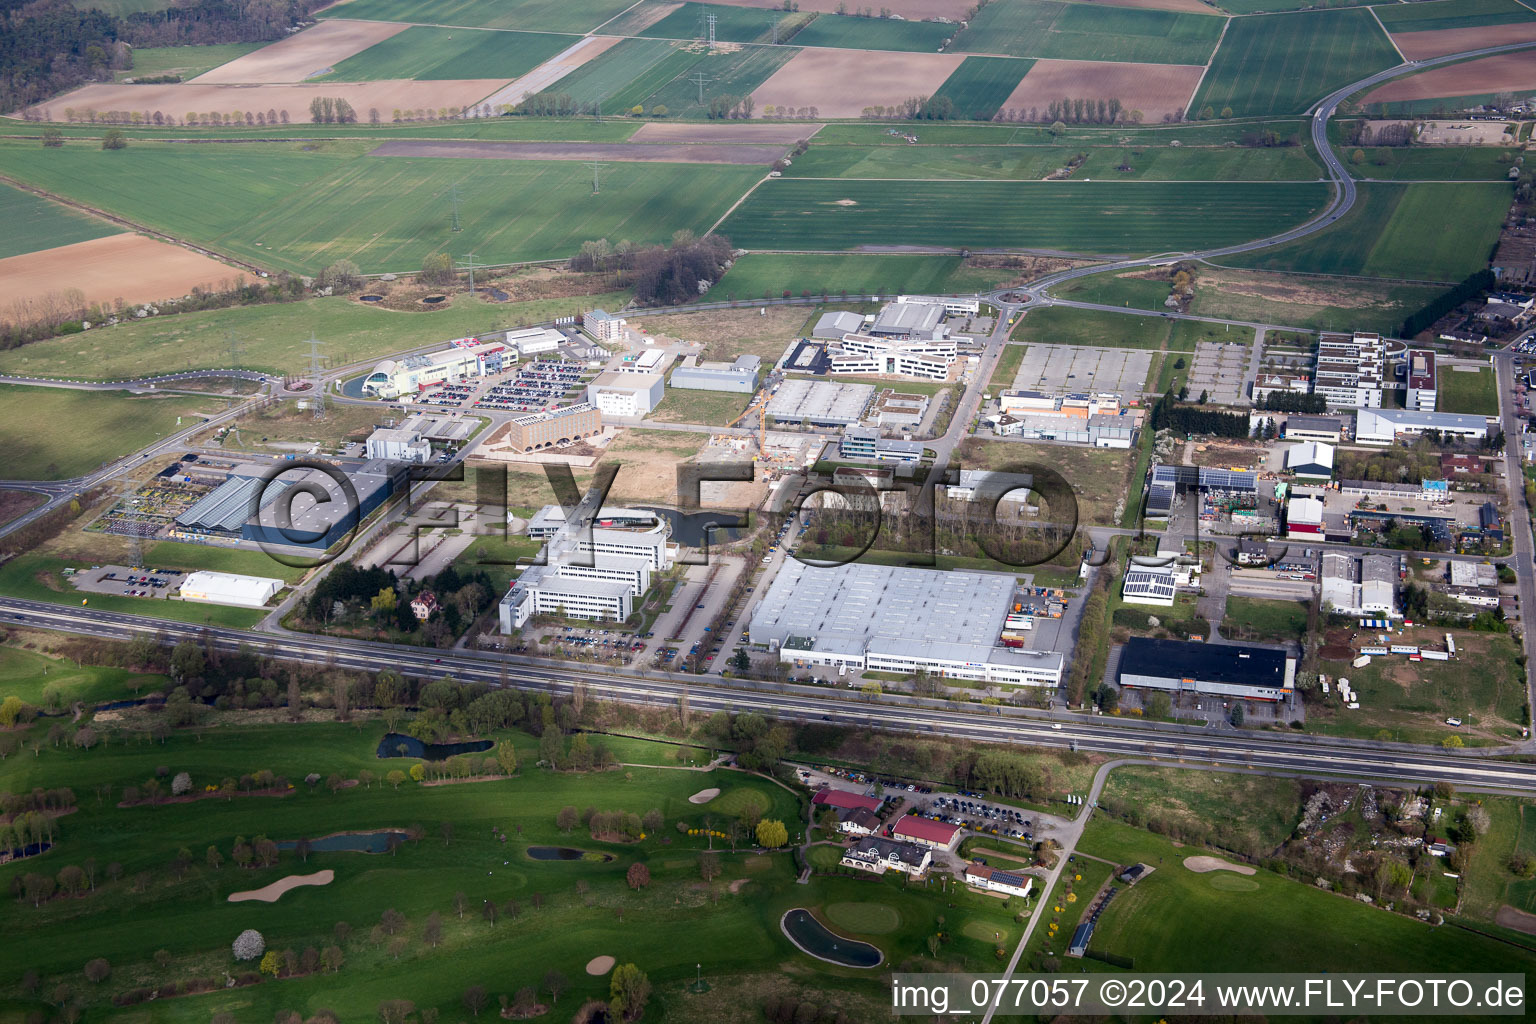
(349, 842)
(814, 938)
(567, 853)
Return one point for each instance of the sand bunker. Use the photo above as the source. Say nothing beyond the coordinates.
(704, 796)
(272, 893)
(600, 965)
(1201, 865)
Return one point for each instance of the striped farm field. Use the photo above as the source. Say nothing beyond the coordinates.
(614, 70)
(732, 24)
(280, 207)
(1385, 234)
(648, 72)
(436, 54)
(1283, 63)
(849, 33)
(33, 224)
(1091, 217)
(980, 85)
(1109, 162)
(531, 15)
(1069, 31)
(1440, 15)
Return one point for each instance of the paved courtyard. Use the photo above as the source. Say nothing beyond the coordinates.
(1220, 371)
(1065, 369)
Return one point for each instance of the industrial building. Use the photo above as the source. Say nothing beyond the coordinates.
(1313, 428)
(466, 357)
(228, 588)
(953, 305)
(1241, 671)
(398, 444)
(819, 403)
(1304, 518)
(1384, 426)
(832, 326)
(1266, 384)
(1420, 368)
(1310, 460)
(589, 571)
(253, 505)
(1166, 482)
(740, 376)
(915, 321)
(1360, 585)
(1096, 420)
(894, 411)
(990, 485)
(858, 618)
(652, 360)
(1351, 370)
(554, 428)
(602, 325)
(1149, 584)
(863, 354)
(866, 443)
(532, 341)
(626, 394)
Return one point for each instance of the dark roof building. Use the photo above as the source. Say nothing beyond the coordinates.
(845, 800)
(1244, 671)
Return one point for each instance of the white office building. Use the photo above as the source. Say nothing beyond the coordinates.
(532, 341)
(603, 326)
(1384, 426)
(595, 572)
(397, 444)
(863, 354)
(208, 587)
(1351, 370)
(626, 394)
(953, 305)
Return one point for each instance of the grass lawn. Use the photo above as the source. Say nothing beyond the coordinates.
(1266, 621)
(1483, 686)
(56, 433)
(1250, 813)
(1468, 391)
(26, 674)
(533, 15)
(1380, 236)
(981, 84)
(771, 274)
(1097, 217)
(273, 336)
(1282, 63)
(430, 54)
(1044, 28)
(1063, 325)
(38, 577)
(712, 408)
(1176, 919)
(1098, 476)
(37, 224)
(168, 554)
(186, 61)
(282, 207)
(1437, 163)
(1007, 368)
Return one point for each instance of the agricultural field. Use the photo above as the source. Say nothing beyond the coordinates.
(33, 224)
(850, 33)
(759, 274)
(1196, 134)
(1176, 919)
(118, 269)
(614, 70)
(1282, 63)
(1382, 236)
(647, 72)
(428, 54)
(1439, 15)
(1145, 92)
(282, 207)
(533, 15)
(272, 336)
(818, 83)
(732, 24)
(1468, 391)
(1443, 87)
(186, 61)
(1067, 31)
(1091, 217)
(57, 433)
(982, 84)
(1104, 161)
(1428, 163)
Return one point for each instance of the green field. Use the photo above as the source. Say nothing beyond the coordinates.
(58, 433)
(186, 61)
(1467, 391)
(1063, 325)
(1176, 919)
(169, 554)
(1200, 802)
(123, 8)
(26, 674)
(981, 84)
(1025, 162)
(1436, 15)
(1262, 6)
(35, 224)
(1208, 134)
(534, 15)
(1282, 63)
(856, 273)
(431, 54)
(39, 577)
(852, 33)
(1266, 621)
(1064, 31)
(1077, 216)
(1435, 163)
(648, 72)
(732, 24)
(1383, 235)
(613, 71)
(273, 336)
(285, 208)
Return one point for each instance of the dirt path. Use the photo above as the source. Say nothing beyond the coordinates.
(1517, 920)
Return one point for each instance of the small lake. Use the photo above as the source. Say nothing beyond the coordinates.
(814, 938)
(564, 853)
(690, 528)
(390, 746)
(357, 842)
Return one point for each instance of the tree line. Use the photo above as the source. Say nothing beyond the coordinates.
(661, 275)
(1446, 302)
(1294, 401)
(1171, 414)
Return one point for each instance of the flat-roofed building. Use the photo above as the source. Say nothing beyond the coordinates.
(1360, 585)
(1350, 370)
(626, 394)
(862, 354)
(554, 428)
(1300, 427)
(954, 305)
(1266, 384)
(603, 325)
(866, 443)
(917, 320)
(1243, 671)
(832, 326)
(533, 341)
(229, 588)
(819, 403)
(1384, 426)
(397, 444)
(1304, 518)
(1149, 584)
(1421, 380)
(1310, 460)
(739, 377)
(467, 357)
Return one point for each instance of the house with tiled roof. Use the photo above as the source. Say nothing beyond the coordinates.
(926, 832)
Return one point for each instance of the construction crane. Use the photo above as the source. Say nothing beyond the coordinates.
(762, 429)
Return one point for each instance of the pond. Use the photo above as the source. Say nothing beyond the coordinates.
(690, 528)
(814, 938)
(566, 853)
(390, 746)
(351, 842)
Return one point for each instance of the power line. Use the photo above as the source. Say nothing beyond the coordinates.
(233, 340)
(597, 167)
(711, 19)
(699, 78)
(453, 197)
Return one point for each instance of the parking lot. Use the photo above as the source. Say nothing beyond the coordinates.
(1220, 371)
(535, 387)
(1063, 369)
(972, 811)
(125, 581)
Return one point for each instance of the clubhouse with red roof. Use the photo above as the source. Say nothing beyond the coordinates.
(844, 800)
(926, 832)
